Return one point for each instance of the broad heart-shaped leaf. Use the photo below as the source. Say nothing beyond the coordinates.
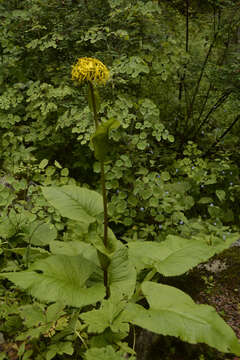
(174, 313)
(175, 255)
(74, 202)
(100, 139)
(60, 277)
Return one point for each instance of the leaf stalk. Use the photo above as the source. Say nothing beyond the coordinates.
(104, 192)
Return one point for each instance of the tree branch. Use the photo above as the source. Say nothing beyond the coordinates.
(223, 135)
(219, 102)
(199, 79)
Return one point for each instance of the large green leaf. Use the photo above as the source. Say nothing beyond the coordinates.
(100, 139)
(87, 250)
(74, 202)
(175, 255)
(73, 248)
(95, 237)
(60, 277)
(122, 274)
(174, 313)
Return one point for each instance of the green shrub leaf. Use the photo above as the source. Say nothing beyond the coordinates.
(106, 353)
(59, 348)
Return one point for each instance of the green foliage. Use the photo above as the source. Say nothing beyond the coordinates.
(56, 273)
(172, 312)
(78, 281)
(106, 353)
(172, 167)
(107, 317)
(59, 348)
(75, 203)
(100, 138)
(176, 255)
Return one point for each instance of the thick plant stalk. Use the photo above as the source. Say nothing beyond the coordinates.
(104, 193)
(94, 71)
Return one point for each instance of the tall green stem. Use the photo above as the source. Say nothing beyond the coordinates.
(94, 105)
(104, 193)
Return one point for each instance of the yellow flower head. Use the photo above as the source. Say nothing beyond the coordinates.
(91, 70)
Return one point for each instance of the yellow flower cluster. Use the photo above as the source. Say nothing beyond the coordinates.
(90, 69)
